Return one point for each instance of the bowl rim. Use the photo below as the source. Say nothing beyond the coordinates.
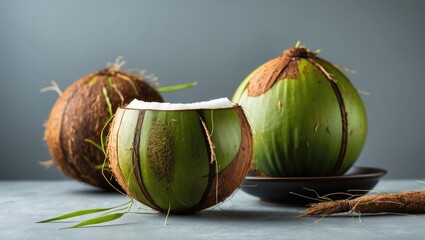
(371, 172)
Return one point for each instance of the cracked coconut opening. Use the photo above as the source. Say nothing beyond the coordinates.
(218, 103)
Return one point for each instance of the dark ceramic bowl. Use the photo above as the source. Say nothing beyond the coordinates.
(303, 190)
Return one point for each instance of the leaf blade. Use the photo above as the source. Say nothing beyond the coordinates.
(98, 220)
(75, 214)
(108, 101)
(176, 87)
(109, 80)
(101, 166)
(97, 145)
(92, 81)
(103, 136)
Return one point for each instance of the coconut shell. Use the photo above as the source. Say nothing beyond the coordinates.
(225, 182)
(309, 120)
(81, 113)
(206, 157)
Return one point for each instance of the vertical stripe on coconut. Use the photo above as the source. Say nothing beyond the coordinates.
(183, 160)
(307, 118)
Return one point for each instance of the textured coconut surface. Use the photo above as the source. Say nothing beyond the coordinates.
(240, 217)
(212, 104)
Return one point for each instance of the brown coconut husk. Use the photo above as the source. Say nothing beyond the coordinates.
(81, 113)
(383, 203)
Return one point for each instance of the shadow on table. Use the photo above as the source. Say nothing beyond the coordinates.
(90, 191)
(245, 215)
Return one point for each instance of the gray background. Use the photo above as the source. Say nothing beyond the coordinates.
(216, 43)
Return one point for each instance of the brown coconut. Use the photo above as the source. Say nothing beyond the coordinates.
(81, 113)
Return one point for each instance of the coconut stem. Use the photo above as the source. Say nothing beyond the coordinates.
(298, 52)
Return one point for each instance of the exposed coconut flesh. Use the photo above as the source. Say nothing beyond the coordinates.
(219, 103)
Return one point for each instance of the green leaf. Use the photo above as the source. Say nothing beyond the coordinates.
(92, 81)
(108, 101)
(97, 145)
(83, 212)
(176, 87)
(103, 136)
(116, 210)
(97, 220)
(109, 80)
(101, 166)
(76, 214)
(298, 44)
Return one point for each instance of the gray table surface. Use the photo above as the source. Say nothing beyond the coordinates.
(240, 217)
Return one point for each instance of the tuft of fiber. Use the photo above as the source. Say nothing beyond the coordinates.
(406, 202)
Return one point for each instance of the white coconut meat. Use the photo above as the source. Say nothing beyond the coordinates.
(218, 103)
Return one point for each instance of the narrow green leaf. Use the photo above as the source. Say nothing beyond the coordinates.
(109, 80)
(93, 81)
(87, 159)
(83, 212)
(101, 166)
(97, 220)
(115, 210)
(108, 101)
(103, 136)
(97, 145)
(176, 87)
(76, 214)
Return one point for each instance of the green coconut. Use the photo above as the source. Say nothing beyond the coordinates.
(180, 158)
(307, 118)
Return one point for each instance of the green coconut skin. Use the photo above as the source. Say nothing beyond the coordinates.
(164, 158)
(297, 124)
